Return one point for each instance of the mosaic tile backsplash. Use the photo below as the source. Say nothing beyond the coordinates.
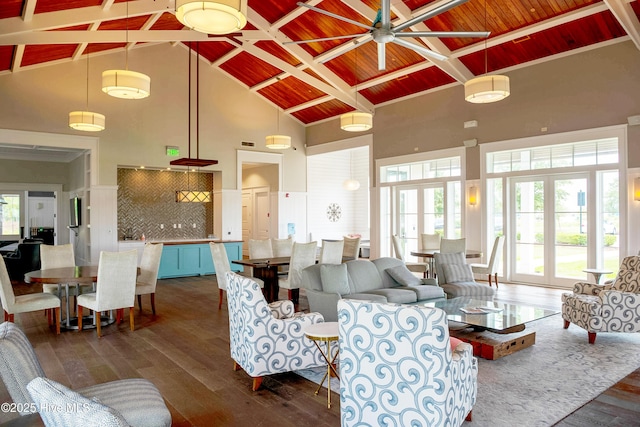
(147, 205)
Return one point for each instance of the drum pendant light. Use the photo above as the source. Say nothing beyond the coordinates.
(278, 142)
(86, 120)
(212, 17)
(356, 121)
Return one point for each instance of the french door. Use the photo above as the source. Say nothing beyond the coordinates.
(561, 225)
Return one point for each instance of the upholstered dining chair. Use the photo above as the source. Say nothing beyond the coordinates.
(397, 367)
(148, 278)
(331, 252)
(60, 256)
(302, 256)
(282, 248)
(13, 304)
(491, 268)
(613, 307)
(267, 339)
(222, 267)
(351, 249)
(416, 267)
(260, 248)
(136, 399)
(451, 246)
(115, 288)
(430, 241)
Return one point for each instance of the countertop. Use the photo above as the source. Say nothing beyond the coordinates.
(179, 241)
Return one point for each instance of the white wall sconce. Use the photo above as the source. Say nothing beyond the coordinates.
(473, 195)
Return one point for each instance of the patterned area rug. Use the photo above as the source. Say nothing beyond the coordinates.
(540, 385)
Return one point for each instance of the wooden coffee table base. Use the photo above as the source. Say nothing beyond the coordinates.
(492, 346)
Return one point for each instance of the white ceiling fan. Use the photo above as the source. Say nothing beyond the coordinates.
(382, 31)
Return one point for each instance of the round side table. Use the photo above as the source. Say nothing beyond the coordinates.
(597, 273)
(325, 332)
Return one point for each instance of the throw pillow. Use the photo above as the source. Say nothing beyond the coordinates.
(334, 278)
(457, 273)
(60, 406)
(402, 275)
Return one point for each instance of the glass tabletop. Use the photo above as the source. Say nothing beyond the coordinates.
(490, 315)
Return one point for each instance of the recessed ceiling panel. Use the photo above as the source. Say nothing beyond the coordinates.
(322, 111)
(10, 8)
(410, 84)
(249, 69)
(6, 56)
(273, 10)
(44, 6)
(290, 92)
(278, 51)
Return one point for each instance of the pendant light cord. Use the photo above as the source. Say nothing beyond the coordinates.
(87, 109)
(126, 44)
(197, 100)
(486, 49)
(189, 108)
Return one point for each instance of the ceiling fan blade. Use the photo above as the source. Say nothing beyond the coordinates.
(443, 34)
(429, 14)
(382, 56)
(333, 15)
(420, 49)
(324, 39)
(385, 6)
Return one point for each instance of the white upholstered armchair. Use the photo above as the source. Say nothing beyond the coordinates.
(397, 367)
(267, 339)
(612, 307)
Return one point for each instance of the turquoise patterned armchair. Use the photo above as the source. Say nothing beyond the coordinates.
(397, 367)
(612, 307)
(267, 339)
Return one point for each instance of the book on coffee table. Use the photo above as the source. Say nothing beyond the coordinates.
(480, 310)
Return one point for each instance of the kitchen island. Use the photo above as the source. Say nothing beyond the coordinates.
(186, 257)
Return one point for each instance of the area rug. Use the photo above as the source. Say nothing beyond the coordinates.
(540, 385)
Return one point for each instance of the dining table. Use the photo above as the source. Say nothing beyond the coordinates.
(429, 255)
(65, 278)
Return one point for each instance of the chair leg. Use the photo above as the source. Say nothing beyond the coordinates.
(131, 323)
(98, 323)
(153, 303)
(592, 337)
(58, 316)
(79, 317)
(236, 367)
(257, 381)
(12, 318)
(489, 279)
(566, 324)
(220, 299)
(469, 416)
(140, 302)
(495, 279)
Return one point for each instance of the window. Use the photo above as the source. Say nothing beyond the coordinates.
(10, 226)
(427, 169)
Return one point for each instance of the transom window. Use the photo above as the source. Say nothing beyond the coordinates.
(427, 169)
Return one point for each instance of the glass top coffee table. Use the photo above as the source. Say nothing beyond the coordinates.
(494, 316)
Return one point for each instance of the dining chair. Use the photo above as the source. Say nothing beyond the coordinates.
(260, 248)
(416, 267)
(351, 248)
(331, 252)
(282, 248)
(115, 287)
(148, 278)
(452, 246)
(302, 256)
(430, 241)
(60, 256)
(491, 268)
(13, 304)
(222, 267)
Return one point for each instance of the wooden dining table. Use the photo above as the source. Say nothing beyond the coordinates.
(65, 278)
(429, 255)
(266, 269)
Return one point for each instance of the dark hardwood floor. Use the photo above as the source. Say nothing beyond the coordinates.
(184, 351)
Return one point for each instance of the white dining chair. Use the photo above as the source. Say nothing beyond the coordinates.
(13, 304)
(61, 256)
(115, 287)
(351, 249)
(491, 268)
(222, 266)
(452, 246)
(331, 252)
(148, 278)
(260, 248)
(302, 256)
(282, 248)
(416, 267)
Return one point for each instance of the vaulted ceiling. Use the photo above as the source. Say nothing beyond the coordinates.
(317, 81)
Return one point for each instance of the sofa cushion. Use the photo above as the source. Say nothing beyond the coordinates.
(334, 278)
(450, 258)
(426, 292)
(468, 289)
(382, 264)
(403, 276)
(457, 273)
(363, 276)
(311, 278)
(396, 295)
(367, 297)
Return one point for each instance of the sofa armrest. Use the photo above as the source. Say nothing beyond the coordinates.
(586, 288)
(325, 303)
(619, 303)
(282, 309)
(429, 281)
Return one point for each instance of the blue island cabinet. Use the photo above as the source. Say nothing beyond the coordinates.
(194, 259)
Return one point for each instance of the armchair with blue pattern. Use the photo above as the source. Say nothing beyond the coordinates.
(397, 367)
(267, 339)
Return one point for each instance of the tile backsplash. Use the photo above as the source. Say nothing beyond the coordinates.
(147, 205)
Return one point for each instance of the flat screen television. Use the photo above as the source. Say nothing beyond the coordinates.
(74, 212)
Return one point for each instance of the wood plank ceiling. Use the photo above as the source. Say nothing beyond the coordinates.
(317, 81)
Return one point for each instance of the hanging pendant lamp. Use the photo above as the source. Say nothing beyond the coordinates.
(487, 88)
(212, 17)
(351, 184)
(356, 121)
(87, 121)
(278, 142)
(126, 84)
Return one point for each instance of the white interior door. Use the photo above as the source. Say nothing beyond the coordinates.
(262, 220)
(247, 220)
